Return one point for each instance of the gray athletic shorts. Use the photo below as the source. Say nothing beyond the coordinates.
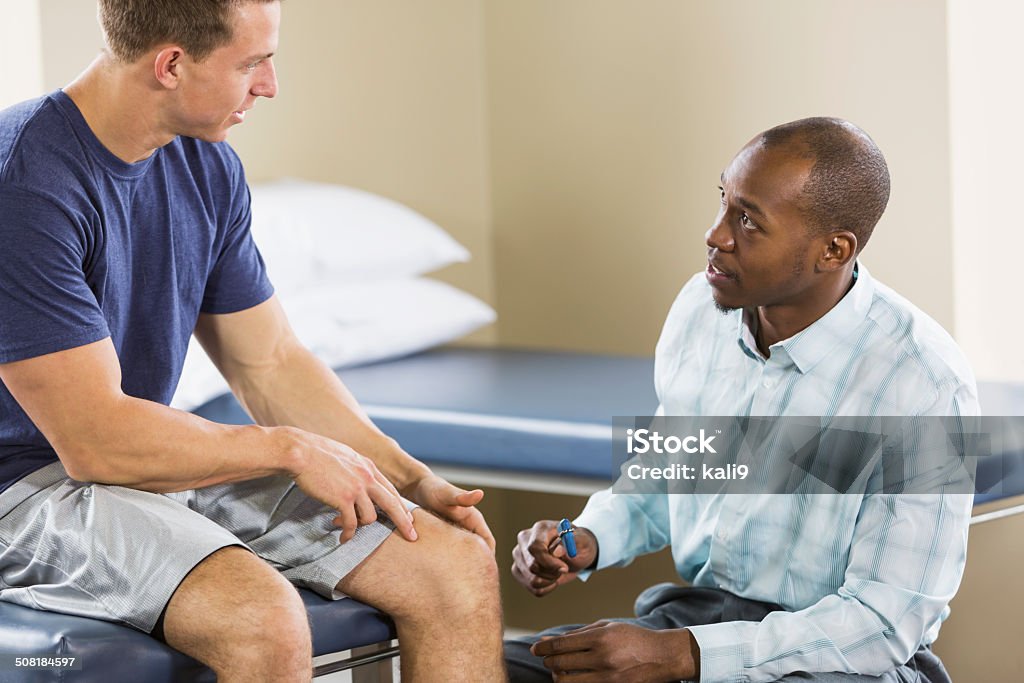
(118, 554)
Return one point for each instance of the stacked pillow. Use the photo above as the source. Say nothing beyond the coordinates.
(347, 266)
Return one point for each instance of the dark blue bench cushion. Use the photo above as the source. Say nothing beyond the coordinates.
(1001, 477)
(504, 410)
(543, 412)
(538, 412)
(109, 652)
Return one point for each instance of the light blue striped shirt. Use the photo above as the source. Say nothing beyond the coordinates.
(866, 579)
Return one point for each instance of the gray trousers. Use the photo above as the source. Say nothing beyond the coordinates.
(670, 606)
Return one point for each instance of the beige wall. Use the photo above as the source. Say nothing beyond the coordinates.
(384, 95)
(388, 96)
(610, 122)
(71, 39)
(574, 146)
(988, 231)
(21, 75)
(981, 639)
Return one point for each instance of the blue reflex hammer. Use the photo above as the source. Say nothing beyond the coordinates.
(565, 530)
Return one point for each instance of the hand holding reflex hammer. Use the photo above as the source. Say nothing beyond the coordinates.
(540, 561)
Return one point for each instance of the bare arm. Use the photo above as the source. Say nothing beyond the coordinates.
(280, 382)
(106, 436)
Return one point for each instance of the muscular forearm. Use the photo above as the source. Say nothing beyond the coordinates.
(300, 391)
(148, 446)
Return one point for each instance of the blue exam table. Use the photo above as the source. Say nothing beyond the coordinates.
(494, 410)
(517, 419)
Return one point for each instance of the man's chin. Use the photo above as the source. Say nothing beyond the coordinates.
(724, 307)
(220, 137)
(210, 135)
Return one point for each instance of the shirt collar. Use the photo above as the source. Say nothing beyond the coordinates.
(809, 346)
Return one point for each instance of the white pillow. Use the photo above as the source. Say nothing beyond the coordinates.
(351, 324)
(312, 233)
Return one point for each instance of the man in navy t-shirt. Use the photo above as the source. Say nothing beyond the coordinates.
(125, 223)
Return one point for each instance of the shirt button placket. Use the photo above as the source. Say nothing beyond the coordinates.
(719, 548)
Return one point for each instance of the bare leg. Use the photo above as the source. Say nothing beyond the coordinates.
(442, 592)
(240, 617)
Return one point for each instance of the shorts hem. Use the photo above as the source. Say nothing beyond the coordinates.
(323, 574)
(147, 622)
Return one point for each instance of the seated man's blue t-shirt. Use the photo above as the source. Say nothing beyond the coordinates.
(94, 247)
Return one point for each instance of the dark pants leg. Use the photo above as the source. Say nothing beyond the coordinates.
(668, 606)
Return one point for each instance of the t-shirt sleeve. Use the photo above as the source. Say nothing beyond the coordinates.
(46, 304)
(238, 277)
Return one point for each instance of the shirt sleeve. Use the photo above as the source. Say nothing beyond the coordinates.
(906, 561)
(238, 277)
(625, 525)
(46, 304)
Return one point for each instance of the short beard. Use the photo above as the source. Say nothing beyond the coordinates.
(723, 309)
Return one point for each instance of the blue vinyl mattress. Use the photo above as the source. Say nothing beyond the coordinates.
(538, 412)
(545, 412)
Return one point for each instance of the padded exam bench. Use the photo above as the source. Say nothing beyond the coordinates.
(492, 412)
(109, 653)
(515, 419)
(541, 420)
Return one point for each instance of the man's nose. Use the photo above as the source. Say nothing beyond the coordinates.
(719, 235)
(266, 85)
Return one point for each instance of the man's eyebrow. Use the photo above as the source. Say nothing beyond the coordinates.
(256, 58)
(744, 202)
(751, 207)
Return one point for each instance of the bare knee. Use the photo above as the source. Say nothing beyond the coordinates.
(471, 567)
(447, 572)
(240, 617)
(456, 575)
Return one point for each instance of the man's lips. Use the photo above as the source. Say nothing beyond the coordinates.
(717, 272)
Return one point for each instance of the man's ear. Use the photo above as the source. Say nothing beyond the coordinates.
(167, 66)
(839, 251)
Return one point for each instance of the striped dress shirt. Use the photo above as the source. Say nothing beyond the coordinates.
(865, 579)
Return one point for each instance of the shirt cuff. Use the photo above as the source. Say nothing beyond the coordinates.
(722, 651)
(609, 549)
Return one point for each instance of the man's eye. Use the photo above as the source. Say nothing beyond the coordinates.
(746, 222)
(722, 191)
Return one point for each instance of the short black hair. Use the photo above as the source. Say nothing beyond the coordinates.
(848, 186)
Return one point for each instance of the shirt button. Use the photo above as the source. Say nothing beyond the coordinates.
(768, 384)
(720, 534)
(86, 492)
